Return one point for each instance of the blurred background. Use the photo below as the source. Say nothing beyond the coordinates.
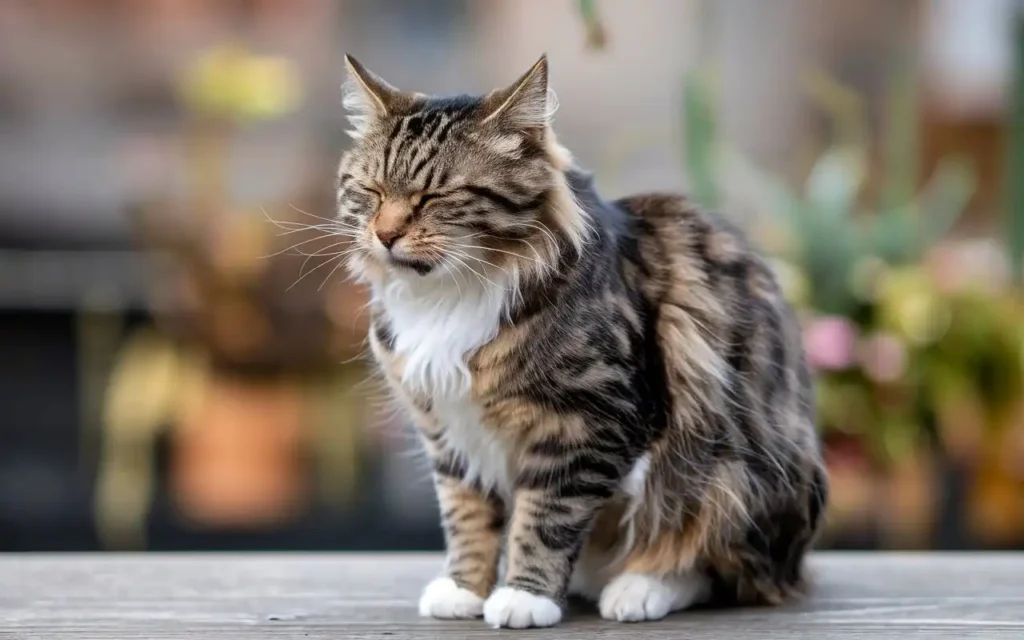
(179, 353)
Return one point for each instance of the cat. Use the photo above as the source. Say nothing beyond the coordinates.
(613, 395)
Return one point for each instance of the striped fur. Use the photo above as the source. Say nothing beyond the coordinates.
(613, 394)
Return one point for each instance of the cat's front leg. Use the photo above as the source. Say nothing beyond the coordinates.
(553, 511)
(473, 524)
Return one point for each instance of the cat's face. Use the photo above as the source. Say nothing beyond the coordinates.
(436, 186)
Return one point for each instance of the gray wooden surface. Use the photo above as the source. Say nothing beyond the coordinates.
(205, 597)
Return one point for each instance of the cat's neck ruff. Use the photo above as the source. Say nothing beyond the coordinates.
(439, 320)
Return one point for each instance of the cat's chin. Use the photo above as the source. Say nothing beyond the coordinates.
(405, 264)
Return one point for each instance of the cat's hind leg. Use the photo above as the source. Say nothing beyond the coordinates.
(635, 597)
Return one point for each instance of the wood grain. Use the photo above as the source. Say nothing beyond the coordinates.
(285, 596)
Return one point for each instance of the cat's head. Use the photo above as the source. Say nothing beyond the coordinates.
(454, 187)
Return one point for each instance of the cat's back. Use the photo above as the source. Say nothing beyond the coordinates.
(698, 258)
(721, 311)
(670, 223)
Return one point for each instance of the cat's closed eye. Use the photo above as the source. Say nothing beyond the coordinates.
(364, 200)
(423, 199)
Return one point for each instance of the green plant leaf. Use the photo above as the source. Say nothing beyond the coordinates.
(835, 181)
(944, 199)
(699, 132)
(901, 167)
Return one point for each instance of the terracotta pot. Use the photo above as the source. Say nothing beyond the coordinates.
(237, 458)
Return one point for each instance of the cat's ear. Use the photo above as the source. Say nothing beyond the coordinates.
(366, 96)
(527, 104)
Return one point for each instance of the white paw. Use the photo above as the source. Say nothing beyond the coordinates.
(633, 597)
(518, 609)
(444, 599)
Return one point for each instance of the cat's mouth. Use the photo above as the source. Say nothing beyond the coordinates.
(419, 266)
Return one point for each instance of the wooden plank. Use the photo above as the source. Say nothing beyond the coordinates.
(284, 596)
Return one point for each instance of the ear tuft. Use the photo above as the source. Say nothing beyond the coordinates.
(528, 103)
(365, 96)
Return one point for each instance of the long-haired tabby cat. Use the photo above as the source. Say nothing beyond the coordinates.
(613, 395)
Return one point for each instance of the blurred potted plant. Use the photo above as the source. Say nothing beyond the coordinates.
(916, 343)
(917, 340)
(257, 343)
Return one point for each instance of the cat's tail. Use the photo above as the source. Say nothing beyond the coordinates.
(767, 567)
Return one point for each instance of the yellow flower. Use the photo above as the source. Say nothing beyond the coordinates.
(910, 306)
(231, 82)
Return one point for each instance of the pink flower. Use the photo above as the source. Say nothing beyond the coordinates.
(884, 357)
(829, 342)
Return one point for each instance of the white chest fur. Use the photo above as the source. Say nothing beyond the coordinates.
(484, 453)
(437, 324)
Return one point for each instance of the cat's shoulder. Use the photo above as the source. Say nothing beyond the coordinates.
(666, 214)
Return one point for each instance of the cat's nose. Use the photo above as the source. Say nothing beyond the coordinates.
(388, 237)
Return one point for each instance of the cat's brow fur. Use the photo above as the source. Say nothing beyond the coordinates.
(605, 387)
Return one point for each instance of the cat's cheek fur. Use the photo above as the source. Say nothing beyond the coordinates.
(445, 600)
(518, 609)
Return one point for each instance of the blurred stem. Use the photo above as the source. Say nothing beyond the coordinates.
(1015, 163)
(842, 103)
(99, 326)
(902, 148)
(207, 144)
(588, 9)
(596, 37)
(699, 134)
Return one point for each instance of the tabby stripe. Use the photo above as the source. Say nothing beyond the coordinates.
(444, 130)
(579, 489)
(535, 571)
(431, 120)
(493, 196)
(401, 146)
(415, 126)
(549, 509)
(561, 537)
(449, 514)
(391, 147)
(385, 338)
(451, 467)
(419, 166)
(526, 583)
(429, 178)
(467, 556)
(776, 371)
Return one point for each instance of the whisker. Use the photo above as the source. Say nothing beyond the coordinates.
(511, 253)
(324, 232)
(454, 279)
(314, 269)
(292, 226)
(296, 246)
(311, 215)
(534, 249)
(331, 273)
(464, 254)
(475, 272)
(533, 224)
(437, 255)
(279, 225)
(318, 253)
